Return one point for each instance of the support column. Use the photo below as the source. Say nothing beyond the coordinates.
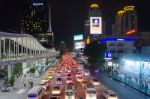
(9, 50)
(0, 49)
(26, 46)
(18, 48)
(30, 48)
(34, 48)
(9, 70)
(22, 46)
(4, 48)
(24, 68)
(14, 48)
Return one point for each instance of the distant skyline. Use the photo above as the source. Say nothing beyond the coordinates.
(68, 16)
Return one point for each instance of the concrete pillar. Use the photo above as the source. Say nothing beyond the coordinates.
(30, 48)
(9, 70)
(24, 67)
(26, 46)
(4, 47)
(22, 46)
(9, 49)
(14, 49)
(0, 49)
(18, 48)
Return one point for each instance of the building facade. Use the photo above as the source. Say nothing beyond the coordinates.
(36, 20)
(126, 22)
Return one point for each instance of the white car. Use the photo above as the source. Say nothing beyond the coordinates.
(90, 94)
(56, 90)
(109, 94)
(69, 94)
(58, 74)
(86, 72)
(95, 82)
(78, 74)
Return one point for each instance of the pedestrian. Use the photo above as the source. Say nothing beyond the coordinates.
(31, 84)
(24, 83)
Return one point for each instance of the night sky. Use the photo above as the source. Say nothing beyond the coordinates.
(68, 16)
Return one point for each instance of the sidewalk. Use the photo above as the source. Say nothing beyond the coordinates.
(19, 85)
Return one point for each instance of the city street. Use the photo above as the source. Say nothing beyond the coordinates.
(123, 91)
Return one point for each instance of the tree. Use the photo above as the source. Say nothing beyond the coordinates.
(95, 53)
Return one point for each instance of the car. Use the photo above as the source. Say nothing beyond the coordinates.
(109, 94)
(79, 78)
(56, 90)
(66, 72)
(69, 75)
(89, 86)
(69, 80)
(78, 74)
(95, 82)
(71, 84)
(86, 72)
(90, 94)
(58, 74)
(70, 87)
(69, 94)
(58, 81)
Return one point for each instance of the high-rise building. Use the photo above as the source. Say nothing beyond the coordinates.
(94, 10)
(36, 20)
(118, 26)
(126, 22)
(130, 21)
(94, 25)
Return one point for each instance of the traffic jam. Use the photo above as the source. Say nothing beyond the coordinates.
(68, 79)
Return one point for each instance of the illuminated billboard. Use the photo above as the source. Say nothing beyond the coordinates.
(95, 25)
(79, 45)
(78, 37)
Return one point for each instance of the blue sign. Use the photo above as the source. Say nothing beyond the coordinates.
(108, 55)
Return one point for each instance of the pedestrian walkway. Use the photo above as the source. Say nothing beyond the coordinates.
(19, 85)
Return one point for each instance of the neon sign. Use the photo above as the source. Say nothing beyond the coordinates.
(131, 32)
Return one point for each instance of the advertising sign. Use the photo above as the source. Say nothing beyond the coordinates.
(95, 25)
(78, 37)
(79, 45)
(108, 55)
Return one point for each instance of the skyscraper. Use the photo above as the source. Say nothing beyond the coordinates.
(118, 26)
(94, 25)
(129, 21)
(35, 17)
(36, 20)
(126, 22)
(94, 10)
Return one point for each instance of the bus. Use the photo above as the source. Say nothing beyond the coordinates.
(35, 93)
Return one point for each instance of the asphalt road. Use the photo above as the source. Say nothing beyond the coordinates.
(79, 90)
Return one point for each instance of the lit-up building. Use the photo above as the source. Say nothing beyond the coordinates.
(126, 22)
(130, 21)
(36, 20)
(94, 26)
(119, 23)
(119, 46)
(94, 10)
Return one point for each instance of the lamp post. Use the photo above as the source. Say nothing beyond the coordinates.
(139, 51)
